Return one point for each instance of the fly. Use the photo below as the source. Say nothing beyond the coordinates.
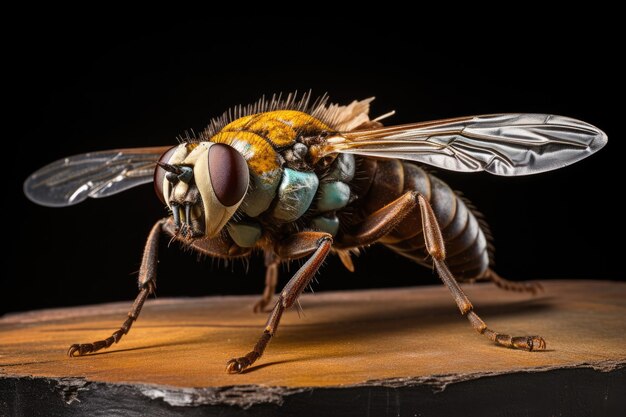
(293, 179)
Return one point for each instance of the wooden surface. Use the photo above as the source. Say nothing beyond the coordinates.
(373, 337)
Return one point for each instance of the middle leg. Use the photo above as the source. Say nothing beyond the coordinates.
(299, 245)
(271, 279)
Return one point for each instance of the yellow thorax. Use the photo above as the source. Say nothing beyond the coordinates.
(257, 136)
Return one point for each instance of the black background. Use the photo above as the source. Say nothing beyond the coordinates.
(84, 85)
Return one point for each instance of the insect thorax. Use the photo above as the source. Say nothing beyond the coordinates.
(287, 192)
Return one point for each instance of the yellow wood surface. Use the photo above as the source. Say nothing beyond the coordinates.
(340, 338)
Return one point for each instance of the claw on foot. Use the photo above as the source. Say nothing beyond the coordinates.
(72, 350)
(79, 350)
(529, 343)
(84, 348)
(236, 366)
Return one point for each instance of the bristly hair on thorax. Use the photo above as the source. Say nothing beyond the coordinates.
(338, 117)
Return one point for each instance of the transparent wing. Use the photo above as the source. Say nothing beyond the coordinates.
(501, 144)
(71, 180)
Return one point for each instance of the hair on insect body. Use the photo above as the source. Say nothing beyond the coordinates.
(299, 180)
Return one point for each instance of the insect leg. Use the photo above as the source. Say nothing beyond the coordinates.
(505, 284)
(299, 245)
(271, 279)
(147, 285)
(380, 222)
(436, 248)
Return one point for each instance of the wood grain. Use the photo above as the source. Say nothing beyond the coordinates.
(341, 338)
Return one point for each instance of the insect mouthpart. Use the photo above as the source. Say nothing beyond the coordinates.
(202, 185)
(185, 200)
(188, 219)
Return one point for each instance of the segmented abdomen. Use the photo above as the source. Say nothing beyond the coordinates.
(466, 243)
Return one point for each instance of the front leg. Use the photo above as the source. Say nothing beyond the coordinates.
(216, 247)
(147, 285)
(299, 245)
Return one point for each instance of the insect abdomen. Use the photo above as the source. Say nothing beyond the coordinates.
(466, 243)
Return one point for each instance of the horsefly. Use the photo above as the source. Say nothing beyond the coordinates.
(291, 179)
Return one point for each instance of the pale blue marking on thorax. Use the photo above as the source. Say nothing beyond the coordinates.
(245, 235)
(262, 192)
(334, 194)
(291, 193)
(295, 194)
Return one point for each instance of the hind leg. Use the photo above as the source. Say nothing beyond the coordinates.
(436, 249)
(505, 284)
(385, 219)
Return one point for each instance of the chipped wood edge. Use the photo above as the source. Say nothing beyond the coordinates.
(246, 396)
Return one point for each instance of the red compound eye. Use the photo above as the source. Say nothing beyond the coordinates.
(229, 174)
(159, 173)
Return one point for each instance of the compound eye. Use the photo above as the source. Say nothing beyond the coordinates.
(229, 175)
(160, 173)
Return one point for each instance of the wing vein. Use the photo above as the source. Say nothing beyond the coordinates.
(501, 144)
(71, 180)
